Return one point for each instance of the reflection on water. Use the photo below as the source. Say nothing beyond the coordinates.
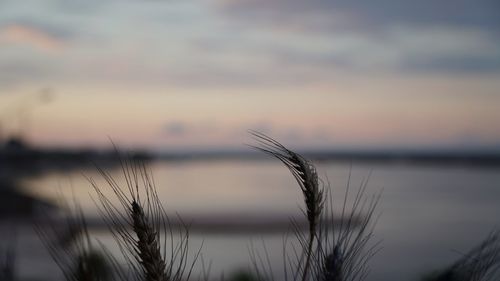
(428, 213)
(194, 187)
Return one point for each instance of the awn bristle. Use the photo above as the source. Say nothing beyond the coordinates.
(72, 250)
(345, 247)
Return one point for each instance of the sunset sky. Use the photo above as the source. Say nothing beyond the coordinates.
(166, 74)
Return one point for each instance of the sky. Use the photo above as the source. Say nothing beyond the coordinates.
(198, 74)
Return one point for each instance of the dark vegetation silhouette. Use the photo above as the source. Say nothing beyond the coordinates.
(480, 263)
(73, 249)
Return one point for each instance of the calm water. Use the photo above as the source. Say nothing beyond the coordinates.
(428, 213)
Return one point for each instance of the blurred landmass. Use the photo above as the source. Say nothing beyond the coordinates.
(19, 161)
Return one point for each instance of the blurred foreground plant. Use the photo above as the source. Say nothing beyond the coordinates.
(7, 263)
(139, 225)
(482, 263)
(72, 249)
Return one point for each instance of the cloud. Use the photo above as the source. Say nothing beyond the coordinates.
(176, 129)
(183, 128)
(383, 36)
(20, 34)
(17, 71)
(304, 56)
(371, 13)
(248, 43)
(444, 49)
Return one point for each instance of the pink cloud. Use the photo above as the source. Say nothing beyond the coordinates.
(31, 36)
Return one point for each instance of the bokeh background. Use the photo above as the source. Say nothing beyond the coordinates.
(165, 74)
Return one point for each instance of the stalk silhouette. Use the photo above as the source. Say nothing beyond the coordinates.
(306, 176)
(142, 211)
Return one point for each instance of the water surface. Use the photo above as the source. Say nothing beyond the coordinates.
(427, 213)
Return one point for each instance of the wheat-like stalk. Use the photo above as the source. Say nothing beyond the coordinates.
(148, 246)
(306, 176)
(137, 223)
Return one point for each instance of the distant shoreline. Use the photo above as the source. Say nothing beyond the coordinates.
(417, 158)
(16, 153)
